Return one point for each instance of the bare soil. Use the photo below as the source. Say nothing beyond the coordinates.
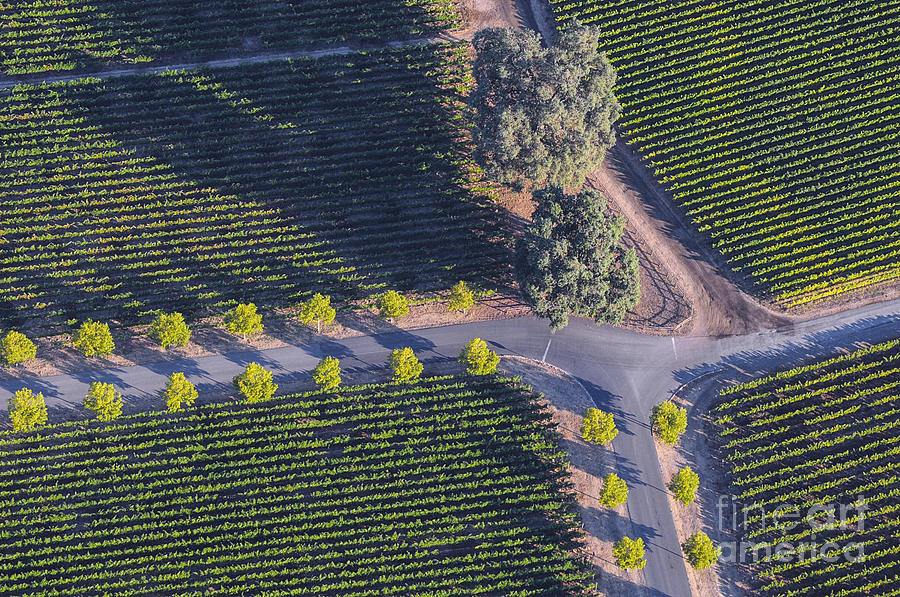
(695, 449)
(588, 464)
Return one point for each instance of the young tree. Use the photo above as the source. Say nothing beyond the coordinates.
(27, 410)
(93, 338)
(668, 421)
(700, 551)
(629, 553)
(327, 373)
(317, 309)
(478, 358)
(179, 392)
(684, 485)
(105, 400)
(16, 348)
(169, 329)
(615, 491)
(255, 383)
(243, 320)
(391, 305)
(405, 365)
(461, 298)
(573, 260)
(542, 114)
(598, 427)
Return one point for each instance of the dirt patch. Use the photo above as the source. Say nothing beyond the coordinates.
(696, 450)
(588, 464)
(282, 328)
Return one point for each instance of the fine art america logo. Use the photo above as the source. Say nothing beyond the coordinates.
(803, 531)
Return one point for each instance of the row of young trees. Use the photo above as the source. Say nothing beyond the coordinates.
(94, 338)
(668, 422)
(28, 409)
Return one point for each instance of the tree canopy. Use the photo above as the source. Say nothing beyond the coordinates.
(93, 338)
(615, 491)
(542, 114)
(478, 358)
(27, 410)
(573, 260)
(169, 329)
(405, 365)
(179, 392)
(255, 383)
(598, 427)
(391, 305)
(461, 297)
(629, 553)
(318, 309)
(684, 485)
(15, 348)
(105, 400)
(327, 373)
(700, 551)
(668, 421)
(243, 320)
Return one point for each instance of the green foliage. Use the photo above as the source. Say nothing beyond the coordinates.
(615, 491)
(598, 427)
(478, 358)
(629, 553)
(255, 383)
(405, 365)
(16, 348)
(461, 298)
(105, 400)
(27, 410)
(391, 305)
(317, 309)
(169, 329)
(700, 551)
(179, 392)
(243, 320)
(93, 338)
(542, 114)
(327, 373)
(573, 260)
(684, 485)
(669, 421)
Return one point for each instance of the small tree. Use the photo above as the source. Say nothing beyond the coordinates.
(478, 358)
(405, 365)
(16, 348)
(700, 551)
(598, 427)
(27, 410)
(629, 553)
(105, 400)
(684, 485)
(391, 305)
(243, 320)
(461, 298)
(179, 392)
(255, 383)
(669, 421)
(317, 309)
(93, 338)
(327, 373)
(615, 491)
(169, 329)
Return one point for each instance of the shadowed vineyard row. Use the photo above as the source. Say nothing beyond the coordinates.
(814, 441)
(449, 486)
(774, 124)
(40, 36)
(192, 190)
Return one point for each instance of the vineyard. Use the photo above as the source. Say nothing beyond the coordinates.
(825, 435)
(40, 36)
(449, 486)
(191, 190)
(775, 126)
